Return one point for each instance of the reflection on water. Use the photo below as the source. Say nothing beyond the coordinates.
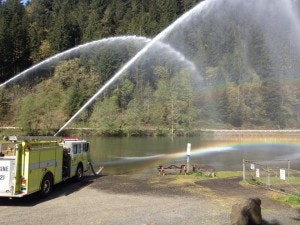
(122, 155)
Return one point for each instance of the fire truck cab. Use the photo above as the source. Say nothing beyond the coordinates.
(75, 157)
(35, 164)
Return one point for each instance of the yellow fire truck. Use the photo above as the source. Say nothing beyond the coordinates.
(35, 164)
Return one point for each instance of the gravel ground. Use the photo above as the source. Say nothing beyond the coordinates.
(143, 199)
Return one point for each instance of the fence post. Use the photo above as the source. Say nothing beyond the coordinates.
(188, 154)
(268, 179)
(289, 167)
(244, 172)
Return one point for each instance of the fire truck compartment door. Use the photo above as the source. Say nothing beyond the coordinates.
(6, 174)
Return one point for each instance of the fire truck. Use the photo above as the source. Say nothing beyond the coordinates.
(35, 164)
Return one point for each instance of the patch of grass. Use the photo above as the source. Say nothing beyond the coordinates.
(292, 200)
(254, 181)
(204, 176)
(181, 178)
(228, 174)
(218, 175)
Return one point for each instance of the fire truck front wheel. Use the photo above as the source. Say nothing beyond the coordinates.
(46, 185)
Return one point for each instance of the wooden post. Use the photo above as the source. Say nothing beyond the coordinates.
(244, 170)
(268, 184)
(289, 167)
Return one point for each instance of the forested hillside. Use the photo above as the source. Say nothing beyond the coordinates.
(228, 67)
(31, 33)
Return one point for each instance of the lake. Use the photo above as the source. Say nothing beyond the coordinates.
(144, 154)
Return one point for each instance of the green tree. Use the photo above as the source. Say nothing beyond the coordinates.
(14, 42)
(64, 32)
(78, 82)
(5, 105)
(261, 60)
(173, 107)
(124, 91)
(110, 21)
(39, 18)
(27, 119)
(132, 118)
(147, 101)
(188, 4)
(93, 29)
(105, 116)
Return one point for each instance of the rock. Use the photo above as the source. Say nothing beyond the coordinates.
(246, 213)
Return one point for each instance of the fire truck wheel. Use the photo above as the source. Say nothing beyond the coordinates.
(79, 173)
(46, 185)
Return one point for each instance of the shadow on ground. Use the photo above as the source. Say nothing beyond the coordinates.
(264, 222)
(62, 189)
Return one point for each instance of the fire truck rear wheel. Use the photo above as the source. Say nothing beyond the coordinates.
(46, 185)
(79, 173)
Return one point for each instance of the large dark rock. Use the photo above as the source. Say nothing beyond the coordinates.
(246, 213)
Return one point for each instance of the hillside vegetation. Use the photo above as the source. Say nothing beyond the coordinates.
(246, 76)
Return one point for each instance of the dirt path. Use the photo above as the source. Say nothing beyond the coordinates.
(273, 212)
(141, 200)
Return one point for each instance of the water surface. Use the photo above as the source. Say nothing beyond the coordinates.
(144, 154)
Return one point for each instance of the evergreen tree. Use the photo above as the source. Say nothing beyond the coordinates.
(14, 42)
(5, 105)
(270, 89)
(40, 20)
(64, 32)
